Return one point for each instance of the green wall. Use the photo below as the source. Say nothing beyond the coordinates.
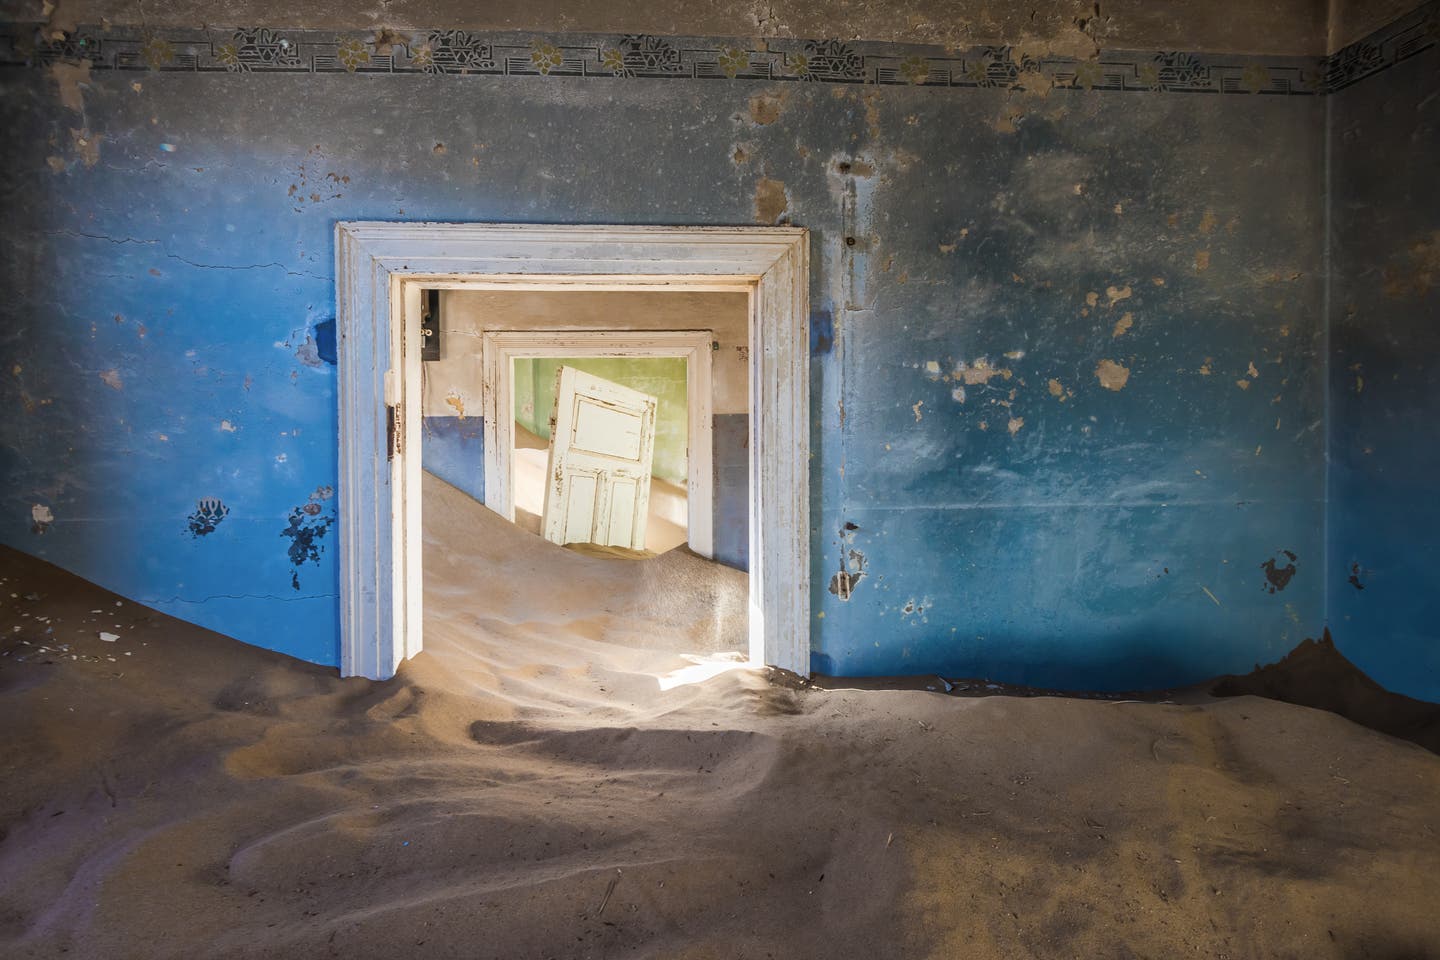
(661, 377)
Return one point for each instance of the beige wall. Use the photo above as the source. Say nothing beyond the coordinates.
(453, 383)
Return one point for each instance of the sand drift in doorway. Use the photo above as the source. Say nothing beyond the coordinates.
(458, 53)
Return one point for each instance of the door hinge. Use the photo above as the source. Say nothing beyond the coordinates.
(394, 439)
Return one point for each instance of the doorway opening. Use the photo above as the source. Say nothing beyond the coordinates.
(383, 270)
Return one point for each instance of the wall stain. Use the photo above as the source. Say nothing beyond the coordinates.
(209, 511)
(822, 333)
(1278, 577)
(1422, 274)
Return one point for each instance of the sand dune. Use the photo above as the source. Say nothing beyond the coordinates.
(526, 788)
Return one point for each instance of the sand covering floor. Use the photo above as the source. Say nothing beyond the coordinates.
(527, 789)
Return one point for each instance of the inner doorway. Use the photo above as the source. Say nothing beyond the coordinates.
(382, 269)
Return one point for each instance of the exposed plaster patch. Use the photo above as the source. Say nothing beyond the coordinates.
(112, 379)
(385, 40)
(915, 409)
(1092, 299)
(979, 372)
(1205, 368)
(852, 564)
(227, 427)
(765, 108)
(71, 79)
(86, 145)
(1058, 391)
(1123, 325)
(457, 403)
(1116, 294)
(1014, 425)
(40, 518)
(770, 200)
(1202, 260)
(1112, 375)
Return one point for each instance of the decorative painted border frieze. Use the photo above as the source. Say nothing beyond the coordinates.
(466, 53)
(1397, 41)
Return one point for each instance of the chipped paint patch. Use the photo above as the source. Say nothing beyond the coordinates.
(71, 80)
(227, 427)
(1277, 578)
(979, 372)
(1202, 260)
(1116, 294)
(1015, 424)
(40, 518)
(457, 403)
(305, 529)
(86, 145)
(112, 379)
(209, 511)
(771, 201)
(1112, 375)
(915, 409)
(1058, 390)
(765, 108)
(1123, 325)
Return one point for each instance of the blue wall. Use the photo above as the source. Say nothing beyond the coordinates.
(1068, 368)
(1385, 382)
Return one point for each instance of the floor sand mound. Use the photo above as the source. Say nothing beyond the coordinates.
(530, 788)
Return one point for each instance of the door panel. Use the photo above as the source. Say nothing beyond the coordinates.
(602, 445)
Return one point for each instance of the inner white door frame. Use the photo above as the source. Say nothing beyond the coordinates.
(501, 348)
(382, 266)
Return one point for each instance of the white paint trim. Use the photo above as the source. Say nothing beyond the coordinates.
(500, 348)
(379, 521)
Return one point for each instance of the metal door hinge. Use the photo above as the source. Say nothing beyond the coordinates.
(394, 439)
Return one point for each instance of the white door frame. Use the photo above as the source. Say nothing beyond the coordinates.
(501, 348)
(380, 269)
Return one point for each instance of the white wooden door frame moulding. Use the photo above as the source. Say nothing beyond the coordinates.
(499, 349)
(380, 269)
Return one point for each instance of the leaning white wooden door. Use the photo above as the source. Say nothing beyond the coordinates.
(602, 444)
